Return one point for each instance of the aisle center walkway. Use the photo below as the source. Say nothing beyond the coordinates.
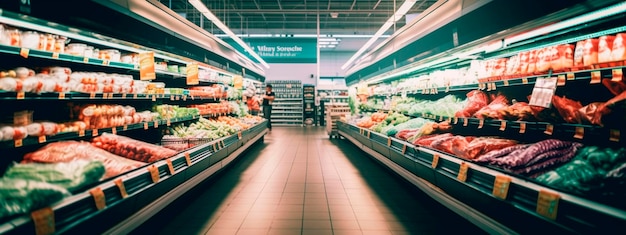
(300, 182)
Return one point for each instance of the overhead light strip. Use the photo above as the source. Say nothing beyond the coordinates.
(338, 36)
(602, 13)
(404, 8)
(209, 15)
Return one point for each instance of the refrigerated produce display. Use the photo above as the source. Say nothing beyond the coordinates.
(99, 124)
(521, 132)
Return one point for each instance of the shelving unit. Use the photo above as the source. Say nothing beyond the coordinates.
(130, 198)
(288, 106)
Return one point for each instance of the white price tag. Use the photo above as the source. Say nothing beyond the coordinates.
(543, 91)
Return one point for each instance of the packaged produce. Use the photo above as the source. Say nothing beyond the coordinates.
(42, 129)
(496, 108)
(615, 87)
(415, 123)
(532, 62)
(68, 151)
(567, 108)
(19, 196)
(605, 44)
(132, 149)
(590, 52)
(427, 140)
(562, 57)
(13, 132)
(618, 52)
(518, 111)
(475, 101)
(481, 146)
(543, 60)
(71, 175)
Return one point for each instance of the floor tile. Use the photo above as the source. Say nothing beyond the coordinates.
(284, 232)
(316, 224)
(227, 224)
(288, 215)
(345, 224)
(347, 232)
(316, 216)
(252, 231)
(256, 223)
(222, 232)
(286, 224)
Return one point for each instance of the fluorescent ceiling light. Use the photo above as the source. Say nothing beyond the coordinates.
(338, 36)
(605, 12)
(207, 13)
(404, 8)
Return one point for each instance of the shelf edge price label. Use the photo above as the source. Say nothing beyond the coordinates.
(617, 75)
(506, 82)
(502, 125)
(522, 127)
(18, 143)
(549, 129)
(114, 130)
(94, 132)
(368, 134)
(135, 96)
(170, 166)
(481, 123)
(447, 89)
(105, 62)
(154, 173)
(168, 122)
(435, 162)
(154, 98)
(403, 148)
(98, 198)
(24, 52)
(42, 139)
(388, 141)
(456, 120)
(462, 176)
(123, 95)
(81, 133)
(44, 221)
(21, 95)
(92, 95)
(465, 121)
(494, 86)
(125, 128)
(146, 66)
(55, 55)
(501, 186)
(156, 124)
(548, 204)
(579, 133)
(596, 77)
(560, 80)
(145, 126)
(524, 81)
(120, 185)
(61, 95)
(85, 59)
(239, 135)
(614, 135)
(188, 159)
(570, 76)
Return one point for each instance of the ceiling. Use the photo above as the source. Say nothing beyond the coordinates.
(289, 17)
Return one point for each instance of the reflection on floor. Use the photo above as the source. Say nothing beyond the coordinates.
(300, 182)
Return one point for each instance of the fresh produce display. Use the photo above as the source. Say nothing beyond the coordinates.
(166, 111)
(132, 149)
(69, 175)
(13, 132)
(69, 151)
(414, 123)
(532, 159)
(19, 196)
(475, 101)
(446, 106)
(586, 172)
(215, 91)
(223, 107)
(182, 137)
(102, 116)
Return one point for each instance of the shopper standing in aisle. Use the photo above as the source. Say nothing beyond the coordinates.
(268, 98)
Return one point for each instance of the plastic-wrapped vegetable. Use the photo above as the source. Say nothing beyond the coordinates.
(476, 100)
(67, 151)
(19, 196)
(414, 123)
(69, 175)
(573, 176)
(132, 149)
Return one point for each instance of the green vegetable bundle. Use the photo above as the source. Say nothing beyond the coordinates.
(20, 196)
(69, 175)
(414, 123)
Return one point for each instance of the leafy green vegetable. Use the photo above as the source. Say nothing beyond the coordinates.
(20, 196)
(69, 175)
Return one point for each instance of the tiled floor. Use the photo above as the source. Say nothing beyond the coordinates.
(300, 182)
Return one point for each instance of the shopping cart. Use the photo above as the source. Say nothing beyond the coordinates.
(334, 112)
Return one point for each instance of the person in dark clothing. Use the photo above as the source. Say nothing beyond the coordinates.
(268, 98)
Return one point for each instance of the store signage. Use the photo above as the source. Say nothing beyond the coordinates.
(146, 66)
(281, 50)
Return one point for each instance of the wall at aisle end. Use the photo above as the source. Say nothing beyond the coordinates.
(300, 72)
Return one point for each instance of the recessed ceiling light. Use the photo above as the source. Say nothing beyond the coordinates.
(334, 15)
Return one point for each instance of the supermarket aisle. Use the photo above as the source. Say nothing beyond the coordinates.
(300, 182)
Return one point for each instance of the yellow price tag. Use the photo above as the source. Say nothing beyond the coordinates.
(465, 121)
(18, 143)
(524, 81)
(388, 141)
(188, 159)
(168, 122)
(123, 95)
(614, 135)
(92, 95)
(21, 95)
(44, 221)
(120, 185)
(506, 82)
(403, 148)
(570, 76)
(456, 120)
(156, 124)
(125, 127)
(94, 132)
(55, 55)
(501, 186)
(481, 123)
(617, 75)
(98, 198)
(24, 52)
(154, 173)
(61, 95)
(85, 59)
(522, 127)
(579, 133)
(435, 162)
(548, 204)
(114, 130)
(239, 136)
(81, 133)
(561, 80)
(502, 125)
(596, 77)
(463, 172)
(105, 62)
(170, 166)
(145, 126)
(153, 98)
(42, 139)
(549, 129)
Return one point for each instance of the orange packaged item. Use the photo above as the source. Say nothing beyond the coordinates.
(578, 53)
(605, 44)
(618, 52)
(563, 58)
(590, 52)
(532, 60)
(543, 60)
(523, 62)
(131, 148)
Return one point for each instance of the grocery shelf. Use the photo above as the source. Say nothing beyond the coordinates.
(286, 116)
(471, 192)
(288, 99)
(25, 52)
(5, 95)
(33, 140)
(494, 83)
(145, 195)
(286, 107)
(284, 112)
